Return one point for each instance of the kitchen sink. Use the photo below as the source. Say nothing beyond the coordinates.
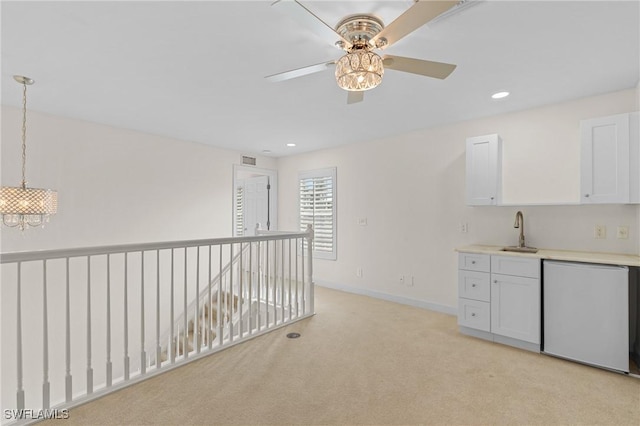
(520, 249)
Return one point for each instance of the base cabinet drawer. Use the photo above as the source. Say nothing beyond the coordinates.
(516, 266)
(474, 285)
(474, 262)
(474, 314)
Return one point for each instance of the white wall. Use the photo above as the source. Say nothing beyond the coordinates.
(117, 186)
(411, 190)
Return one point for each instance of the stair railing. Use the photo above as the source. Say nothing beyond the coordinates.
(76, 322)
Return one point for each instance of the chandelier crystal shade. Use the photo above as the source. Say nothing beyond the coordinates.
(359, 70)
(22, 206)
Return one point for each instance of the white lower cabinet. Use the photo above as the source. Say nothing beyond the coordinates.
(515, 307)
(500, 300)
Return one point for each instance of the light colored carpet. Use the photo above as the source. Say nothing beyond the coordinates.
(366, 361)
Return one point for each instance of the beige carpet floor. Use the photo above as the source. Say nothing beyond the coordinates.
(366, 361)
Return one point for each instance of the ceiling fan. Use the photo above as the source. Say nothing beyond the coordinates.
(360, 35)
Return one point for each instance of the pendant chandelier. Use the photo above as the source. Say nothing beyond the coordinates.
(360, 69)
(22, 206)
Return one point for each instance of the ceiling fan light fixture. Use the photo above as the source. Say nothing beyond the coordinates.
(359, 70)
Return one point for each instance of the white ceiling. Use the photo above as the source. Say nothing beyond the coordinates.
(194, 70)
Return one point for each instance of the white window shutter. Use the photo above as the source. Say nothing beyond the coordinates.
(317, 197)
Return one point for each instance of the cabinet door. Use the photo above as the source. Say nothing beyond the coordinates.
(483, 167)
(634, 155)
(604, 174)
(515, 307)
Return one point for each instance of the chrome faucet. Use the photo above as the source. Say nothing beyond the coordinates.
(520, 224)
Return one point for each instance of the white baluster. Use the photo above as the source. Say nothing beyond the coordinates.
(109, 364)
(276, 288)
(303, 257)
(310, 270)
(230, 293)
(282, 293)
(143, 353)
(267, 281)
(68, 379)
(275, 281)
(298, 243)
(89, 368)
(126, 317)
(45, 340)
(210, 305)
(240, 293)
(196, 318)
(158, 347)
(172, 348)
(250, 293)
(258, 289)
(20, 391)
(185, 335)
(219, 313)
(289, 301)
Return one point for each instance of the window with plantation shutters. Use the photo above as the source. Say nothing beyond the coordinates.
(317, 198)
(239, 211)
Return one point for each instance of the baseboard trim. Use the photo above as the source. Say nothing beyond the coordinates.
(450, 310)
(533, 347)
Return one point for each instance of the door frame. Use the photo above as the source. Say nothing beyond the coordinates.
(239, 169)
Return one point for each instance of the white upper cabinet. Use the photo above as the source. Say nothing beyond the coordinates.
(609, 160)
(483, 166)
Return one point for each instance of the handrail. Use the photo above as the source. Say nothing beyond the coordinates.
(26, 256)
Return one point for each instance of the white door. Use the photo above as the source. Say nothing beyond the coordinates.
(255, 205)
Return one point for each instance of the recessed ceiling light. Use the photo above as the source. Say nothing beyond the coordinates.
(266, 151)
(291, 144)
(500, 95)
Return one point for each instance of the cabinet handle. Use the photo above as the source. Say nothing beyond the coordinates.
(586, 195)
(495, 281)
(473, 262)
(492, 198)
(473, 314)
(473, 285)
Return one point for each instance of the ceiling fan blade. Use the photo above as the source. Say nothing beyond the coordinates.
(307, 18)
(355, 97)
(299, 72)
(433, 69)
(412, 19)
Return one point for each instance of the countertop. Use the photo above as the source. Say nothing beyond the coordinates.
(566, 255)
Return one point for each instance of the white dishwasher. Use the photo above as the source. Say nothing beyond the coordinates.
(586, 313)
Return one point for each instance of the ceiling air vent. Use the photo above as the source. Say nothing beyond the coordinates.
(249, 161)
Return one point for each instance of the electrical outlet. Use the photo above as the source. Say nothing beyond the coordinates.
(600, 232)
(623, 232)
(410, 281)
(464, 227)
(359, 272)
(362, 221)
